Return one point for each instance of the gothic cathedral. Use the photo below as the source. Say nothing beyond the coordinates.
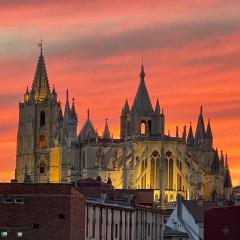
(49, 149)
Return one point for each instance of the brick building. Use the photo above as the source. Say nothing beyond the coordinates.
(41, 211)
(222, 223)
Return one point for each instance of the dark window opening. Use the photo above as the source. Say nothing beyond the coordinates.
(35, 225)
(61, 215)
(42, 167)
(42, 119)
(149, 127)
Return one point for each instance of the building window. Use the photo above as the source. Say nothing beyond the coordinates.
(42, 168)
(83, 159)
(42, 119)
(18, 200)
(19, 234)
(143, 128)
(155, 169)
(36, 225)
(168, 167)
(149, 127)
(61, 215)
(4, 234)
(42, 141)
(116, 230)
(7, 200)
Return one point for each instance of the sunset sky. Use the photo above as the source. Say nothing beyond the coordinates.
(191, 52)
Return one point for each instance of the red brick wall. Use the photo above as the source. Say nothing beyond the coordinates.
(42, 205)
(222, 223)
(77, 216)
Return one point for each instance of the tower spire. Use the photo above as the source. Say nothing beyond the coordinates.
(190, 138)
(40, 85)
(67, 106)
(157, 108)
(142, 102)
(106, 133)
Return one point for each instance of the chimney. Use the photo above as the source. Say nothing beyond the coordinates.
(179, 206)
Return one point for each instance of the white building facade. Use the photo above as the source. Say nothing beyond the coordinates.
(106, 220)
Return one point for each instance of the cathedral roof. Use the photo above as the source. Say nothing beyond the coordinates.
(40, 85)
(88, 131)
(142, 102)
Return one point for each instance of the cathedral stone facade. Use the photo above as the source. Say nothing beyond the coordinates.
(49, 149)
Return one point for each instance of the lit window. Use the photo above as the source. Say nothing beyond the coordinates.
(18, 200)
(42, 141)
(143, 128)
(4, 234)
(19, 234)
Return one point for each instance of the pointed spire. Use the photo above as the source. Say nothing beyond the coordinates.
(157, 108)
(106, 133)
(54, 91)
(88, 114)
(67, 107)
(27, 91)
(142, 73)
(227, 176)
(73, 110)
(40, 85)
(215, 162)
(142, 102)
(200, 130)
(184, 133)
(209, 131)
(226, 161)
(190, 138)
(177, 133)
(126, 108)
(26, 95)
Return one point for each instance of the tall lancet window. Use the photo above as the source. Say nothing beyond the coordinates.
(155, 170)
(42, 119)
(168, 170)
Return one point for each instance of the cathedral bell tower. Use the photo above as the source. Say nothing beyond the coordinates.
(142, 119)
(40, 120)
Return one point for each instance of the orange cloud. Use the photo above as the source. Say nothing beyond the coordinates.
(191, 57)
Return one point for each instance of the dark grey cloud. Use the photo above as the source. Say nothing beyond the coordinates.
(172, 36)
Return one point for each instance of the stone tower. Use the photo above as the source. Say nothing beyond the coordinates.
(142, 119)
(40, 121)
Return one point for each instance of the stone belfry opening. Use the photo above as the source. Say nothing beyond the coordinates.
(141, 119)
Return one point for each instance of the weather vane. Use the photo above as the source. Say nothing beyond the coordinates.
(40, 44)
